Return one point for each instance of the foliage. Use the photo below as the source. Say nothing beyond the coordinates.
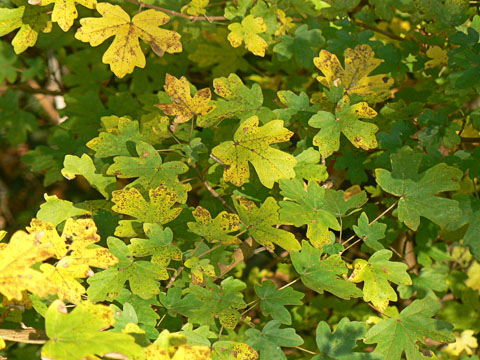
(242, 179)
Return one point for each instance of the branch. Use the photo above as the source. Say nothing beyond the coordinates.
(26, 336)
(377, 30)
(176, 13)
(31, 90)
(470, 139)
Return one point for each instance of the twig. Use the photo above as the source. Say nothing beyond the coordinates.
(32, 90)
(290, 283)
(305, 350)
(176, 13)
(377, 30)
(470, 139)
(180, 269)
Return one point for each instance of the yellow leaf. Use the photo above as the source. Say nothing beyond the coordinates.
(285, 22)
(49, 236)
(195, 7)
(67, 287)
(247, 32)
(25, 301)
(23, 251)
(2, 234)
(2, 344)
(359, 62)
(183, 352)
(438, 55)
(466, 342)
(183, 106)
(64, 11)
(473, 273)
(125, 52)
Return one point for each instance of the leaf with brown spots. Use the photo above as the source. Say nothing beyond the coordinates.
(64, 279)
(49, 236)
(361, 134)
(259, 222)
(125, 52)
(16, 259)
(150, 171)
(215, 230)
(183, 106)
(64, 11)
(158, 209)
(376, 274)
(231, 350)
(159, 246)
(251, 143)
(247, 32)
(359, 62)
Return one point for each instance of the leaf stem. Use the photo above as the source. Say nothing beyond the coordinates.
(305, 350)
(290, 283)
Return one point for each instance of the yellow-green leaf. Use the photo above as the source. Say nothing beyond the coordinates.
(215, 230)
(251, 143)
(248, 32)
(183, 106)
(125, 52)
(359, 62)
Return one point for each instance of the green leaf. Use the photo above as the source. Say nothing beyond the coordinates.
(399, 334)
(270, 340)
(159, 246)
(307, 208)
(272, 301)
(228, 350)
(300, 45)
(74, 165)
(56, 210)
(238, 101)
(252, 144)
(150, 171)
(31, 20)
(361, 134)
(417, 192)
(376, 273)
(118, 139)
(339, 345)
(308, 166)
(17, 122)
(340, 203)
(79, 334)
(323, 275)
(259, 222)
(175, 303)
(370, 234)
(141, 275)
(438, 130)
(159, 209)
(215, 230)
(8, 71)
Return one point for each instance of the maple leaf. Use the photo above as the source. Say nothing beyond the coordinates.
(200, 269)
(273, 301)
(79, 334)
(270, 340)
(222, 301)
(157, 210)
(215, 230)
(18, 123)
(238, 101)
(359, 62)
(228, 350)
(307, 208)
(74, 165)
(248, 32)
(115, 139)
(361, 134)
(340, 202)
(252, 144)
(438, 55)
(159, 246)
(49, 236)
(395, 335)
(336, 345)
(466, 343)
(55, 210)
(29, 19)
(64, 280)
(323, 275)
(195, 7)
(150, 171)
(417, 192)
(259, 222)
(141, 275)
(183, 106)
(16, 259)
(64, 11)
(125, 53)
(376, 273)
(370, 234)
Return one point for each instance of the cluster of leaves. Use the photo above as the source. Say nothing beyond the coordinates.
(282, 179)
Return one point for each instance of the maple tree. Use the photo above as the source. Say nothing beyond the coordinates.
(284, 179)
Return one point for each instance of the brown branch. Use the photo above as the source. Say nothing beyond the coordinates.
(26, 336)
(176, 13)
(470, 139)
(31, 90)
